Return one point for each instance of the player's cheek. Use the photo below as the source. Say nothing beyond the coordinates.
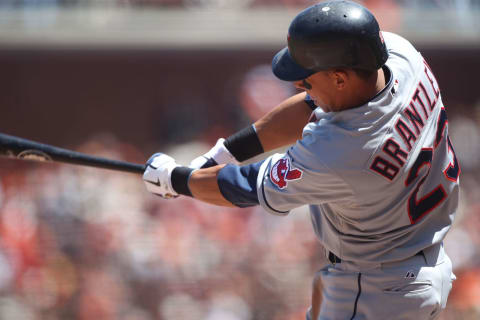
(318, 99)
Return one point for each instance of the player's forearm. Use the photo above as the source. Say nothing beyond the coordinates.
(283, 125)
(223, 185)
(229, 185)
(280, 127)
(204, 186)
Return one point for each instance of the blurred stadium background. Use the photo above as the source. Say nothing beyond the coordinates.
(127, 78)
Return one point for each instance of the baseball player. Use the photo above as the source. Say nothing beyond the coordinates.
(374, 162)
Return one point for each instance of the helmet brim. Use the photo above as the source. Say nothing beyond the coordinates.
(285, 68)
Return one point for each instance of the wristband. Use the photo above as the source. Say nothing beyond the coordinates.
(244, 144)
(308, 100)
(179, 178)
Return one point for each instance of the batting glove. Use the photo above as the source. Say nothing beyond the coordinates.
(157, 175)
(219, 154)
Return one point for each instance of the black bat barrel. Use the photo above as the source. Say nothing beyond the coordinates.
(19, 148)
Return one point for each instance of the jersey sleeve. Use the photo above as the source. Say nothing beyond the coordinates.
(296, 178)
(238, 184)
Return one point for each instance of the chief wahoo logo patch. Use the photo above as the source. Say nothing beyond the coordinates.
(282, 172)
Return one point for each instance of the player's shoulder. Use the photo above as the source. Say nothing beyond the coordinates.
(338, 140)
(404, 60)
(393, 40)
(399, 47)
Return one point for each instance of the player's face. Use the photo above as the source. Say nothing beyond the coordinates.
(322, 88)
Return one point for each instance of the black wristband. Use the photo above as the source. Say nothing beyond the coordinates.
(244, 144)
(311, 104)
(179, 178)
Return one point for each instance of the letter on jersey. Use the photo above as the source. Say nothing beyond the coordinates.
(282, 172)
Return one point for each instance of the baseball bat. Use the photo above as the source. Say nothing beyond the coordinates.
(19, 148)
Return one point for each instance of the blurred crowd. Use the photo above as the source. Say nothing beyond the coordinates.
(463, 241)
(83, 243)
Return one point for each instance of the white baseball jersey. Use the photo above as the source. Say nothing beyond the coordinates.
(381, 179)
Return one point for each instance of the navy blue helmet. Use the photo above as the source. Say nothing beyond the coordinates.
(331, 34)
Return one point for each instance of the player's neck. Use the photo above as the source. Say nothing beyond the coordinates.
(361, 92)
(380, 83)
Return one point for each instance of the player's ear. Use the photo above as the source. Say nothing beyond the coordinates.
(339, 78)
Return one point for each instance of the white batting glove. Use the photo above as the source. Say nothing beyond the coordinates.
(219, 154)
(157, 175)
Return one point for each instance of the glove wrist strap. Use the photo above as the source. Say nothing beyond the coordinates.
(179, 178)
(221, 154)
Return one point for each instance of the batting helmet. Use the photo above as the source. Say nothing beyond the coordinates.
(331, 34)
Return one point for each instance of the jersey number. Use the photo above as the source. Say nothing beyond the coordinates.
(418, 208)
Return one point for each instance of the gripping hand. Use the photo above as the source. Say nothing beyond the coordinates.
(157, 175)
(219, 154)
